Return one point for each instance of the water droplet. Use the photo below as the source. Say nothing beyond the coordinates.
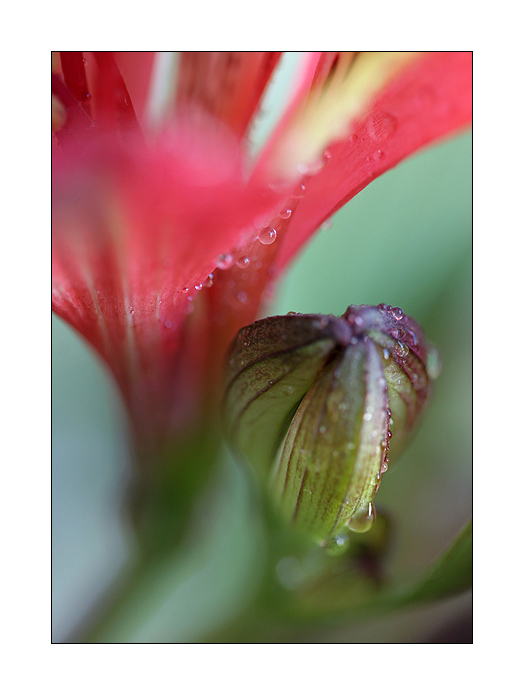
(413, 337)
(168, 324)
(337, 545)
(385, 352)
(285, 214)
(267, 236)
(321, 322)
(289, 572)
(397, 313)
(363, 518)
(322, 429)
(379, 154)
(288, 390)
(242, 297)
(300, 192)
(434, 362)
(225, 261)
(208, 282)
(198, 287)
(401, 349)
(367, 416)
(243, 262)
(381, 126)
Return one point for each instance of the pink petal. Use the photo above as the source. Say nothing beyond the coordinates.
(136, 230)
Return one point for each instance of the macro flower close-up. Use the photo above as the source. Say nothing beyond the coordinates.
(263, 360)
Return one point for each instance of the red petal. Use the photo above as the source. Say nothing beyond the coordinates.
(227, 85)
(430, 98)
(136, 70)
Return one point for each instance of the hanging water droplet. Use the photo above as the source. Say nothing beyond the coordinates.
(363, 518)
(381, 126)
(198, 287)
(285, 214)
(208, 282)
(243, 262)
(267, 236)
(225, 261)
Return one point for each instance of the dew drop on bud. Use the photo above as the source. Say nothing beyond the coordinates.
(267, 236)
(401, 349)
(363, 518)
(397, 313)
(337, 545)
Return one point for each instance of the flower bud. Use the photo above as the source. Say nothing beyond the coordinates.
(316, 404)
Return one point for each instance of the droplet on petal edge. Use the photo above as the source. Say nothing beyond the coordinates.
(225, 261)
(267, 236)
(381, 126)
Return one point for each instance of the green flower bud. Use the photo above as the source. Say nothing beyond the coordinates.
(317, 403)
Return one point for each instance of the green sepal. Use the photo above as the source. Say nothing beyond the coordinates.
(272, 364)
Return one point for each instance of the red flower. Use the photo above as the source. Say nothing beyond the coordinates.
(166, 237)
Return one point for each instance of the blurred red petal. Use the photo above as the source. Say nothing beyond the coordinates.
(227, 85)
(136, 230)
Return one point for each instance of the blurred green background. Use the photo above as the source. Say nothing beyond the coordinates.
(406, 240)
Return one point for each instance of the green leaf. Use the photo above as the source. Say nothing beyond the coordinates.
(450, 574)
